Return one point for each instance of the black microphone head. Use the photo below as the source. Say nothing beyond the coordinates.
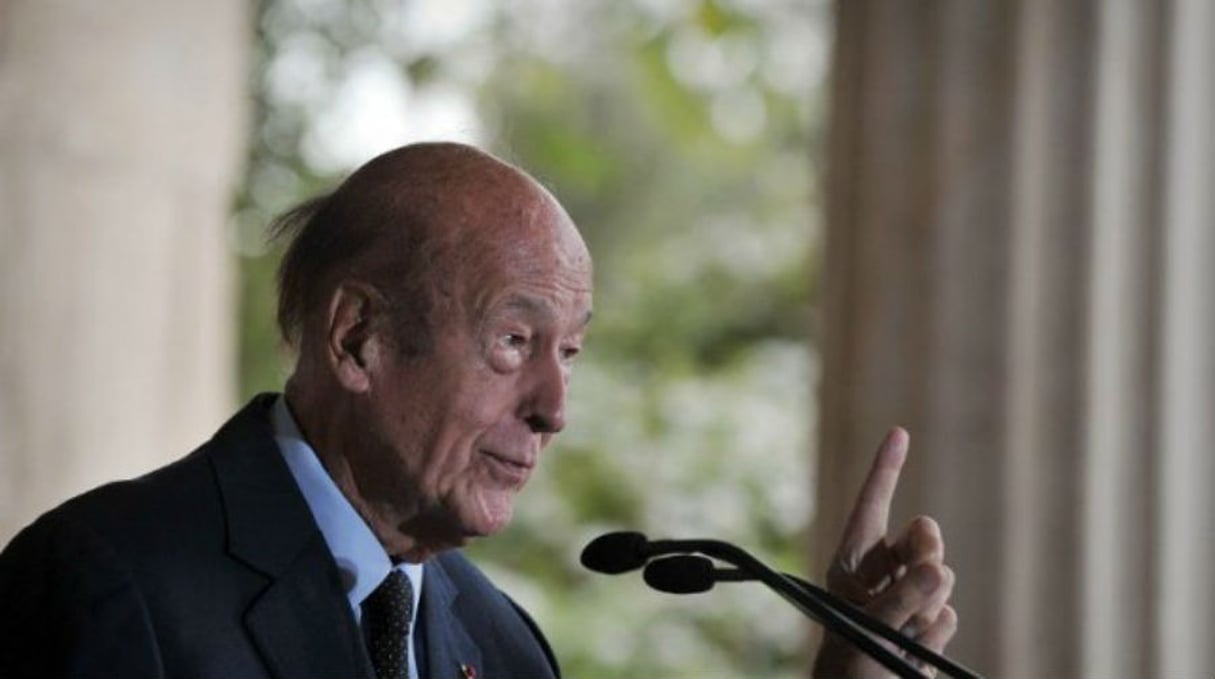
(614, 553)
(681, 574)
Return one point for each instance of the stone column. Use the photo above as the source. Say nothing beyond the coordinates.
(122, 130)
(1019, 215)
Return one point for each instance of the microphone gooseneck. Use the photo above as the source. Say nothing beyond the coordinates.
(689, 572)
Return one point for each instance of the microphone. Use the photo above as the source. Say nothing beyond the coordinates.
(624, 551)
(688, 572)
(683, 574)
(615, 553)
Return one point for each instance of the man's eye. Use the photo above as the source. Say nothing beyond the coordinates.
(568, 353)
(513, 340)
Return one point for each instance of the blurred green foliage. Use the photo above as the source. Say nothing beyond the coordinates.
(680, 136)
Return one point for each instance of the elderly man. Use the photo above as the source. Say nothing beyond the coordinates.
(437, 300)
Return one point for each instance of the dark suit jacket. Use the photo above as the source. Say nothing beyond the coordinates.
(214, 567)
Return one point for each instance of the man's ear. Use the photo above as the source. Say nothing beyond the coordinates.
(350, 334)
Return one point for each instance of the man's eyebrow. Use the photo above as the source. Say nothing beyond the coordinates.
(539, 307)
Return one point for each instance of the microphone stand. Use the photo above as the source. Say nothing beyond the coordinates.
(809, 604)
(880, 628)
(836, 615)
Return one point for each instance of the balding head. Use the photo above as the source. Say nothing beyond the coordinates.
(438, 298)
(407, 222)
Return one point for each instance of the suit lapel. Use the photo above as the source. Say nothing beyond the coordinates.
(301, 622)
(449, 648)
(303, 626)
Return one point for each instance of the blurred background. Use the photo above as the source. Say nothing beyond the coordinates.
(988, 222)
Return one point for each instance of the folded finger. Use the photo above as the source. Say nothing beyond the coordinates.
(938, 634)
(936, 603)
(920, 542)
(908, 596)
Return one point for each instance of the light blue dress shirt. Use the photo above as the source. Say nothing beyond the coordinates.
(360, 558)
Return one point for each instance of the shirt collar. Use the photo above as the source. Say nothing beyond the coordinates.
(361, 560)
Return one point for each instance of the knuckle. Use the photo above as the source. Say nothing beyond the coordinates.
(926, 524)
(942, 630)
(950, 614)
(948, 620)
(927, 578)
(926, 540)
(891, 609)
(951, 578)
(897, 605)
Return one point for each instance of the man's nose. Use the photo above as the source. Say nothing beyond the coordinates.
(544, 407)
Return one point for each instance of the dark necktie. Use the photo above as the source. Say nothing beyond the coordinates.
(386, 616)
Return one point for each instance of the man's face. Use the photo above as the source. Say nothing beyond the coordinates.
(462, 427)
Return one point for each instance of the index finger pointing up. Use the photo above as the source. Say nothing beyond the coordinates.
(867, 522)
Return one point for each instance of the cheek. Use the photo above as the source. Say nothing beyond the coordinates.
(444, 425)
(486, 401)
(452, 451)
(417, 431)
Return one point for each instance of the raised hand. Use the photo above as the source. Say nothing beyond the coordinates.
(904, 583)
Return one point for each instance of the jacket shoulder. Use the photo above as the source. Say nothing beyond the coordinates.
(168, 511)
(71, 605)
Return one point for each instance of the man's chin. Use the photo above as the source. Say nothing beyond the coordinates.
(453, 525)
(489, 516)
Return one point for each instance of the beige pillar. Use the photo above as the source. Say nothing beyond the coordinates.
(1020, 215)
(122, 131)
